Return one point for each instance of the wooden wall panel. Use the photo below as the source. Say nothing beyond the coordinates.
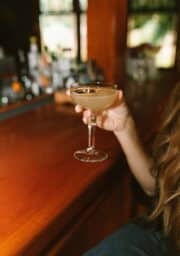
(107, 213)
(107, 26)
(16, 25)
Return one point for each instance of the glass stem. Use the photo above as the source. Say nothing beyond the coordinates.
(91, 133)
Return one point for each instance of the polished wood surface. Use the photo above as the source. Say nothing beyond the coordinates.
(42, 187)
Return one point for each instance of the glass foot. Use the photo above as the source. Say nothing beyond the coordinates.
(92, 156)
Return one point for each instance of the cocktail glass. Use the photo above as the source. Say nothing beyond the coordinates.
(95, 97)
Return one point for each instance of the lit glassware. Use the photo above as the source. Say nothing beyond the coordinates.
(95, 97)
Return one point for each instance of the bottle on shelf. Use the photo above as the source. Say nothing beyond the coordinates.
(16, 92)
(45, 70)
(57, 78)
(1, 53)
(33, 58)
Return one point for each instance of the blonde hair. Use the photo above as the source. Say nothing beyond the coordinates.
(167, 170)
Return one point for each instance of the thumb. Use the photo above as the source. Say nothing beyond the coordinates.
(120, 95)
(119, 99)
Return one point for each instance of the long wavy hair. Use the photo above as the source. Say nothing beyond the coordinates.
(167, 170)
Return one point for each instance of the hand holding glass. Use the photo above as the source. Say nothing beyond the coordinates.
(95, 97)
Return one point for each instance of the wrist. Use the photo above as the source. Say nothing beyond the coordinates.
(128, 128)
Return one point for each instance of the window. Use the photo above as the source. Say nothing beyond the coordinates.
(154, 23)
(58, 26)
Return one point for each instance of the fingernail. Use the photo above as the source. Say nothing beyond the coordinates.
(84, 120)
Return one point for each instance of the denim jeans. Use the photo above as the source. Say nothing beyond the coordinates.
(131, 240)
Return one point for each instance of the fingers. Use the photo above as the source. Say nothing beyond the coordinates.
(120, 95)
(86, 116)
(100, 120)
(86, 113)
(78, 108)
(119, 99)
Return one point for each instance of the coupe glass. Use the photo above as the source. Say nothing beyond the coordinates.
(95, 97)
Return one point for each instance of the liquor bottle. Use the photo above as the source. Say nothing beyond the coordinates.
(33, 58)
(17, 89)
(1, 53)
(22, 65)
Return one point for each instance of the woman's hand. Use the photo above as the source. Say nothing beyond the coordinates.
(118, 120)
(113, 119)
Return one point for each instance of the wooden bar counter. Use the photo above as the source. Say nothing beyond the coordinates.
(50, 203)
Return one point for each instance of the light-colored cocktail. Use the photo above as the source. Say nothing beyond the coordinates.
(96, 98)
